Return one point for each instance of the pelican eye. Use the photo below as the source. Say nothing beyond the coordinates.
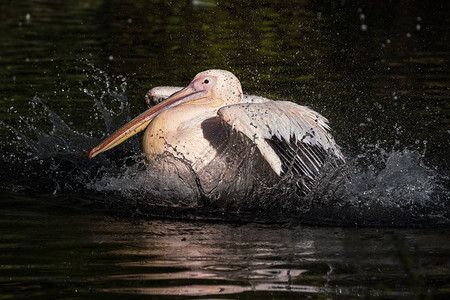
(206, 81)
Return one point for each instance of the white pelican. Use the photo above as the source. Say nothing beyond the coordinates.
(228, 137)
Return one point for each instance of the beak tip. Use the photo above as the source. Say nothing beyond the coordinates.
(92, 153)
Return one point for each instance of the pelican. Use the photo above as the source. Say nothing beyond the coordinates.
(230, 141)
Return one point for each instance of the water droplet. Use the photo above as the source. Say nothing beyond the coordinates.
(364, 27)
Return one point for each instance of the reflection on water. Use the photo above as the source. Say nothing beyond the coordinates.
(75, 255)
(73, 71)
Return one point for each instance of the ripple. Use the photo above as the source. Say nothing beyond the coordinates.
(193, 290)
(204, 290)
(225, 268)
(166, 276)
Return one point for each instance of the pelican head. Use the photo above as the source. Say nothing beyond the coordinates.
(216, 88)
(219, 84)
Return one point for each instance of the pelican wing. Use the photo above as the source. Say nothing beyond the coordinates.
(289, 136)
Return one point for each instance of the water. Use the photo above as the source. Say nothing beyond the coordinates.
(73, 227)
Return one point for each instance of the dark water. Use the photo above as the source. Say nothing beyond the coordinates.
(73, 227)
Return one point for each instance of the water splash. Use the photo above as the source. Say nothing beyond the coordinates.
(374, 187)
(398, 190)
(42, 158)
(103, 93)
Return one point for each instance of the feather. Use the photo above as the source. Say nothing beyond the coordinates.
(292, 138)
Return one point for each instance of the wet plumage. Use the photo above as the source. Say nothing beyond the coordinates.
(220, 133)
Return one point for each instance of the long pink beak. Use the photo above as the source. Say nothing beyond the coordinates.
(141, 122)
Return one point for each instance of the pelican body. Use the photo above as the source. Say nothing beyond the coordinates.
(230, 142)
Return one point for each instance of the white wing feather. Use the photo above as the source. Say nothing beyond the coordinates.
(263, 119)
